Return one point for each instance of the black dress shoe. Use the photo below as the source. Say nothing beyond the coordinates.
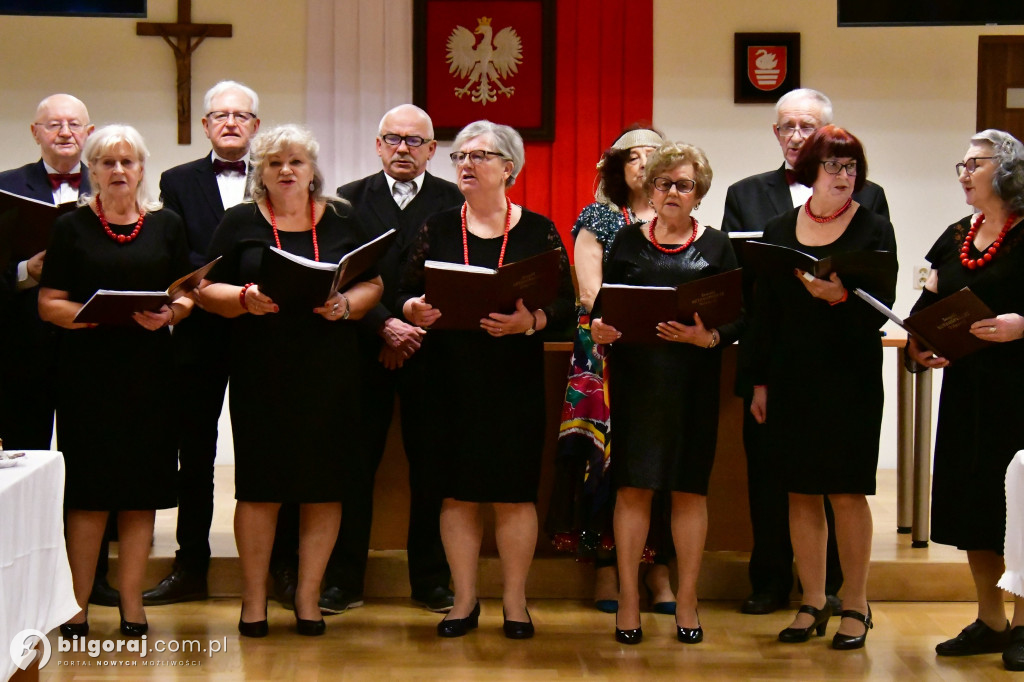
(457, 627)
(634, 636)
(257, 628)
(284, 579)
(761, 603)
(103, 594)
(439, 600)
(976, 638)
(794, 635)
(69, 630)
(690, 635)
(1013, 655)
(335, 600)
(179, 586)
(848, 642)
(515, 629)
(310, 628)
(836, 603)
(130, 629)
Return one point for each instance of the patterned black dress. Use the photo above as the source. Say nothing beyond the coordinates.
(979, 425)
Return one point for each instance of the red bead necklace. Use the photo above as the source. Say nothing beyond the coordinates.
(990, 252)
(119, 238)
(625, 216)
(659, 247)
(504, 241)
(827, 218)
(312, 221)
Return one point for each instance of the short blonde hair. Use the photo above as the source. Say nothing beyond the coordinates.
(104, 140)
(674, 154)
(276, 140)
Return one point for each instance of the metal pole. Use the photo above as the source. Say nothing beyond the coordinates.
(904, 448)
(922, 457)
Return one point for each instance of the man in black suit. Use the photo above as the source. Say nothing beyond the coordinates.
(27, 366)
(401, 196)
(749, 205)
(200, 191)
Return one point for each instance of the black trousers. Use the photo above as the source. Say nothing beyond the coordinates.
(771, 560)
(428, 567)
(202, 378)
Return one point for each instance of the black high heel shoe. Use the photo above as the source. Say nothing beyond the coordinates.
(794, 635)
(634, 636)
(69, 630)
(256, 628)
(690, 635)
(310, 628)
(515, 629)
(130, 629)
(847, 642)
(457, 627)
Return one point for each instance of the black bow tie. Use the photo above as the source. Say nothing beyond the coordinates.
(220, 167)
(790, 176)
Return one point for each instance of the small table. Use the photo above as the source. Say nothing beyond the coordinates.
(35, 578)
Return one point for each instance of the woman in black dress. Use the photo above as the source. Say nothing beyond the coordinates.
(658, 449)
(294, 381)
(489, 382)
(813, 339)
(115, 406)
(979, 426)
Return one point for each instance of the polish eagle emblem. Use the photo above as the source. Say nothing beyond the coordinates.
(485, 64)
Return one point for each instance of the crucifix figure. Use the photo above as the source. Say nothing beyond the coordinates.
(179, 36)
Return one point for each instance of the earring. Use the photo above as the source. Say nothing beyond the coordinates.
(650, 202)
(312, 186)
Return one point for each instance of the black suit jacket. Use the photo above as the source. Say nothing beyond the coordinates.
(377, 213)
(31, 181)
(752, 202)
(191, 191)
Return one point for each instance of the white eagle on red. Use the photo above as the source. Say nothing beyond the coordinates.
(486, 63)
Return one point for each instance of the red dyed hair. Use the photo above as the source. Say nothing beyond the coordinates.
(830, 142)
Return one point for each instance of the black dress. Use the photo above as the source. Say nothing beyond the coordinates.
(294, 391)
(979, 425)
(115, 403)
(665, 396)
(822, 365)
(489, 391)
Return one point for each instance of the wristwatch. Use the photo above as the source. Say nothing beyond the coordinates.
(533, 327)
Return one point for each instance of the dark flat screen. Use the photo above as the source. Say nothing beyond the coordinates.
(75, 8)
(929, 12)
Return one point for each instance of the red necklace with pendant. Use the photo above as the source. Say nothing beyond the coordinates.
(990, 252)
(312, 221)
(504, 241)
(659, 247)
(119, 238)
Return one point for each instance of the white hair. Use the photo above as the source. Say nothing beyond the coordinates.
(506, 141)
(227, 86)
(819, 98)
(403, 108)
(105, 139)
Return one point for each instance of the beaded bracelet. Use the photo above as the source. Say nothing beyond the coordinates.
(241, 295)
(846, 295)
(715, 338)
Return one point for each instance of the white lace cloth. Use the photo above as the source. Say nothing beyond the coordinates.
(1013, 549)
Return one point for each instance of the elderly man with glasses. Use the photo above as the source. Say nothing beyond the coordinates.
(401, 196)
(749, 205)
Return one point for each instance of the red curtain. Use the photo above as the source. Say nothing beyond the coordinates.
(604, 82)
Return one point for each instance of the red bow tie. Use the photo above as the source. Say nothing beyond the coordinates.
(226, 166)
(790, 176)
(58, 179)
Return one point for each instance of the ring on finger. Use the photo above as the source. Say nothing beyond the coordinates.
(992, 330)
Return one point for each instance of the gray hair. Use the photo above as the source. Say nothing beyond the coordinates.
(403, 108)
(104, 140)
(276, 140)
(1008, 179)
(818, 98)
(226, 86)
(506, 141)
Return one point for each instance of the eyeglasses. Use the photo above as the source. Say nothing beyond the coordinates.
(56, 126)
(788, 130)
(410, 140)
(970, 165)
(832, 167)
(223, 116)
(476, 156)
(683, 186)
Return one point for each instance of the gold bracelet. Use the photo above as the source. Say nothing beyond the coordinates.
(715, 338)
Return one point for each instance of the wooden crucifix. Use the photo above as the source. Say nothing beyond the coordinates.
(179, 36)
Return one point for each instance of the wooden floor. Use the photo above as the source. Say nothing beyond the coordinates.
(394, 640)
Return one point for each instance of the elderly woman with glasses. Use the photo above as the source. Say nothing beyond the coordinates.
(659, 449)
(488, 382)
(809, 333)
(979, 428)
(294, 371)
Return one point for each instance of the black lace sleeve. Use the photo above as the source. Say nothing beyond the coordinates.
(412, 282)
(560, 312)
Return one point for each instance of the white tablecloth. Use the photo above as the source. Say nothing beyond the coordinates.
(35, 579)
